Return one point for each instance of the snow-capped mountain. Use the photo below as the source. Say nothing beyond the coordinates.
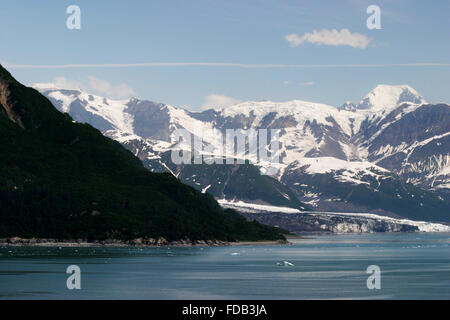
(392, 136)
(414, 144)
(385, 98)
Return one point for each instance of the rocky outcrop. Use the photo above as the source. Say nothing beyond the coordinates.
(9, 104)
(138, 242)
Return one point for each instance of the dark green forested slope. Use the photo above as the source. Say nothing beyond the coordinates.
(65, 180)
(229, 181)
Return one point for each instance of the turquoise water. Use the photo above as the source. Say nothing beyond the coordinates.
(413, 266)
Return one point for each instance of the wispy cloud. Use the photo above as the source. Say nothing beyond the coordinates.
(59, 83)
(94, 85)
(105, 88)
(224, 64)
(306, 84)
(330, 38)
(219, 101)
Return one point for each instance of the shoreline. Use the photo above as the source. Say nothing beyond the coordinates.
(111, 243)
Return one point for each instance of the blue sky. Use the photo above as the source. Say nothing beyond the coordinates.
(248, 37)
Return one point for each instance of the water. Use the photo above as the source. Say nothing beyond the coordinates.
(413, 266)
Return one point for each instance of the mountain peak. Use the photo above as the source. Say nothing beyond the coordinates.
(26, 108)
(386, 97)
(348, 106)
(5, 75)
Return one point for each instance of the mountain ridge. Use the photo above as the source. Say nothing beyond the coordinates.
(63, 179)
(310, 132)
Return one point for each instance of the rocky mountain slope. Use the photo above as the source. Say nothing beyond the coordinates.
(388, 154)
(62, 179)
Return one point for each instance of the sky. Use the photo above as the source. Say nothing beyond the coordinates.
(202, 53)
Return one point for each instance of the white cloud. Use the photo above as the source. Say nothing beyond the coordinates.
(105, 88)
(330, 38)
(123, 91)
(94, 85)
(59, 83)
(99, 85)
(306, 84)
(219, 101)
